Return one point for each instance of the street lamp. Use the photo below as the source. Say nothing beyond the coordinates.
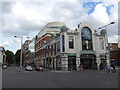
(21, 37)
(106, 25)
(106, 36)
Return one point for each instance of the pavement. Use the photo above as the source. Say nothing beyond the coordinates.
(12, 78)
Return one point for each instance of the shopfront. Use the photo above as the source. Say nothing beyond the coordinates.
(88, 61)
(72, 62)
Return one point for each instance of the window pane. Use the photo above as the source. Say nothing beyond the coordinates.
(86, 36)
(101, 43)
(71, 42)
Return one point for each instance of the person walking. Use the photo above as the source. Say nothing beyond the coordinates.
(113, 66)
(50, 66)
(78, 68)
(81, 67)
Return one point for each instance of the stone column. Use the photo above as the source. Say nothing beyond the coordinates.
(54, 63)
(108, 60)
(98, 62)
(45, 63)
(64, 62)
(77, 62)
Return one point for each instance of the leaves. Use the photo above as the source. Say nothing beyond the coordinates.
(9, 56)
(17, 56)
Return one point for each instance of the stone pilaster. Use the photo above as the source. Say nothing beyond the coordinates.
(77, 62)
(45, 63)
(108, 60)
(98, 61)
(64, 62)
(54, 63)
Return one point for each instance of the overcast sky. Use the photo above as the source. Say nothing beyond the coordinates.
(27, 18)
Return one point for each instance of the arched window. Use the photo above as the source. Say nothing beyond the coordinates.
(86, 36)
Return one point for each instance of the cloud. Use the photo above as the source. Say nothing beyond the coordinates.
(113, 39)
(99, 17)
(21, 20)
(27, 19)
(6, 44)
(7, 7)
(100, 14)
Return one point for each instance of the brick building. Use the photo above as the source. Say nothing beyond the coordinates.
(25, 48)
(114, 52)
(44, 36)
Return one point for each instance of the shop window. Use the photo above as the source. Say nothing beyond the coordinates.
(101, 43)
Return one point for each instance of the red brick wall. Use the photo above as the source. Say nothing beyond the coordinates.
(40, 44)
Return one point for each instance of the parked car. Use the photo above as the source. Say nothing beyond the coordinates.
(4, 66)
(39, 68)
(28, 68)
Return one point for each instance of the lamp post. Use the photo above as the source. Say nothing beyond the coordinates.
(21, 37)
(106, 25)
(106, 36)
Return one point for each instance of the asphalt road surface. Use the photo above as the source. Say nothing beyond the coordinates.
(12, 78)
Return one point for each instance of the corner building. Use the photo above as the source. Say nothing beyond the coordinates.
(42, 47)
(70, 48)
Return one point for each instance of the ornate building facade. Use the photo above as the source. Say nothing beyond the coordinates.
(70, 48)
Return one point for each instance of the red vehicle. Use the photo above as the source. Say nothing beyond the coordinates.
(39, 68)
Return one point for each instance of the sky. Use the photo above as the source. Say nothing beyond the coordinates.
(28, 17)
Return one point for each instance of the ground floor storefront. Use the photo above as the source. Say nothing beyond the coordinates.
(72, 62)
(88, 61)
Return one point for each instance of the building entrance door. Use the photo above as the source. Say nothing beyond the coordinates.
(88, 61)
(72, 62)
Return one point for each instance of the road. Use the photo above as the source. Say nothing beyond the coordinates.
(12, 78)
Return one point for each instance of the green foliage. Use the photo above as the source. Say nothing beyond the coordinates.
(17, 56)
(9, 56)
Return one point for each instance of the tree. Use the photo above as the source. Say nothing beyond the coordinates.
(17, 56)
(9, 57)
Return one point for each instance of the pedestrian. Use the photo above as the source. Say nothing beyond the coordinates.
(69, 69)
(113, 66)
(108, 68)
(74, 68)
(81, 67)
(78, 68)
(50, 66)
